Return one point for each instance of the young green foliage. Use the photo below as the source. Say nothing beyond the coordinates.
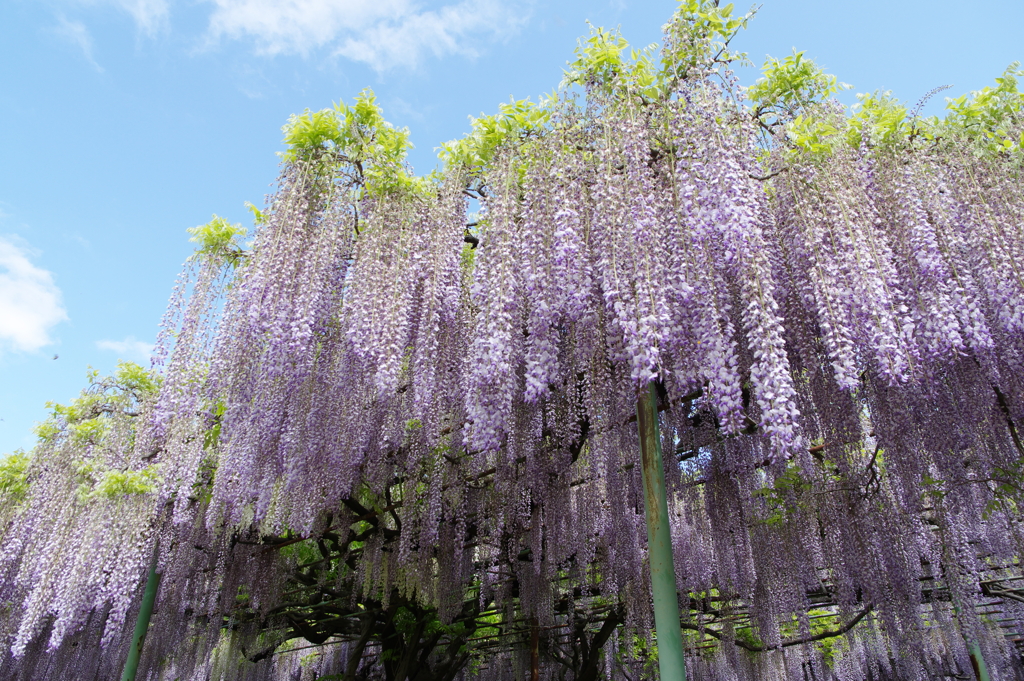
(814, 136)
(514, 122)
(355, 134)
(993, 117)
(95, 482)
(789, 87)
(218, 238)
(598, 58)
(600, 64)
(14, 478)
(107, 407)
(879, 115)
(698, 38)
(257, 215)
(785, 497)
(989, 121)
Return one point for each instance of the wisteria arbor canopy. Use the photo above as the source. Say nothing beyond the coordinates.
(395, 437)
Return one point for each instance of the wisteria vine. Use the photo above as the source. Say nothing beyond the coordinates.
(394, 439)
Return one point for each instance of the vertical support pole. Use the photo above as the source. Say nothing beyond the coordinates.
(131, 665)
(974, 651)
(671, 664)
(978, 662)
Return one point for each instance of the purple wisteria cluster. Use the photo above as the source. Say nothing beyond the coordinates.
(838, 345)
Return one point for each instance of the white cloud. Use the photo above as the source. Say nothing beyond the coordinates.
(129, 348)
(78, 35)
(381, 33)
(30, 303)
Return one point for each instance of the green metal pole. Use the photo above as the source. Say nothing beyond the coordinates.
(131, 665)
(974, 651)
(671, 664)
(978, 662)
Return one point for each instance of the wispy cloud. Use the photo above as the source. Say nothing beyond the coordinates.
(30, 302)
(77, 34)
(150, 15)
(129, 348)
(382, 33)
(400, 107)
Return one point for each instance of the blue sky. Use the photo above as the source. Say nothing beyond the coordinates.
(123, 122)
